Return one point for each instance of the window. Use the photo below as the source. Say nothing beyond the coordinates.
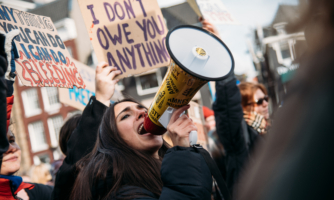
(44, 158)
(50, 98)
(37, 136)
(55, 124)
(148, 83)
(285, 50)
(31, 102)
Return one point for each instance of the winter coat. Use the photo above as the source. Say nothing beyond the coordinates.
(184, 173)
(236, 136)
(80, 143)
(11, 185)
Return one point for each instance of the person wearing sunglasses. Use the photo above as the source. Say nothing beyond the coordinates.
(254, 102)
(241, 113)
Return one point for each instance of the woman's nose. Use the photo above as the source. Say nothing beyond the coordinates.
(141, 113)
(11, 148)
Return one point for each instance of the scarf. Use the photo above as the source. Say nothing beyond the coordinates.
(257, 121)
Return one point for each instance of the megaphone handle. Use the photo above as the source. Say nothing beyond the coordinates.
(193, 137)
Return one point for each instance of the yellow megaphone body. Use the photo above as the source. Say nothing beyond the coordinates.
(197, 56)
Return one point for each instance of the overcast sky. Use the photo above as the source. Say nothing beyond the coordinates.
(249, 13)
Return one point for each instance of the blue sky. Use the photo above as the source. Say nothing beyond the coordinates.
(249, 13)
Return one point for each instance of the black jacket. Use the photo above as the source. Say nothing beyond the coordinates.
(80, 143)
(185, 176)
(236, 136)
(184, 172)
(40, 192)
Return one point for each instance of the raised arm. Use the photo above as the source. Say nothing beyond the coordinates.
(229, 119)
(82, 140)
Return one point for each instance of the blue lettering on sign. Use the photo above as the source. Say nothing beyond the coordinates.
(80, 95)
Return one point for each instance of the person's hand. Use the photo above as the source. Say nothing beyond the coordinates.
(105, 83)
(180, 127)
(208, 26)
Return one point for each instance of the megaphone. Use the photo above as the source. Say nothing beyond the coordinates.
(197, 56)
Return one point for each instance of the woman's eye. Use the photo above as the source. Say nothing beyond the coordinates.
(125, 116)
(11, 141)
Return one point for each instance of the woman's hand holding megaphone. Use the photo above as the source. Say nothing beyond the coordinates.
(179, 127)
(105, 82)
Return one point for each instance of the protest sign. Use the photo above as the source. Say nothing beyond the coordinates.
(213, 10)
(44, 59)
(127, 34)
(79, 97)
(194, 6)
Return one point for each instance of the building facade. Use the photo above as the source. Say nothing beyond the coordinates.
(276, 53)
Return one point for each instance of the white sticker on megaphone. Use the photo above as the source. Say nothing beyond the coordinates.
(165, 117)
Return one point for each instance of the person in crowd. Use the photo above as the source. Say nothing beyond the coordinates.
(126, 164)
(66, 130)
(40, 174)
(10, 185)
(296, 161)
(241, 117)
(254, 102)
(64, 134)
(84, 136)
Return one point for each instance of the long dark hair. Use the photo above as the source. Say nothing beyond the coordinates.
(66, 131)
(129, 166)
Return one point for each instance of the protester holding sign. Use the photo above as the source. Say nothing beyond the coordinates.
(11, 186)
(83, 138)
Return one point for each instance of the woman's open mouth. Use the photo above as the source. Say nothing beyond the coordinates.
(141, 129)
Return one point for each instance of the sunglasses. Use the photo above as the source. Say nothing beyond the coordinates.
(260, 101)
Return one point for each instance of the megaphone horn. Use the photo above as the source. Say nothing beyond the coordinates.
(198, 56)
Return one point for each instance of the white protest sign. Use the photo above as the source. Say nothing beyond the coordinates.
(79, 97)
(216, 12)
(127, 34)
(44, 59)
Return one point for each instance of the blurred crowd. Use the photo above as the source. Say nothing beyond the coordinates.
(106, 156)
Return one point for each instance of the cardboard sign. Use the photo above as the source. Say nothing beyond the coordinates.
(194, 6)
(213, 10)
(44, 59)
(127, 34)
(79, 97)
